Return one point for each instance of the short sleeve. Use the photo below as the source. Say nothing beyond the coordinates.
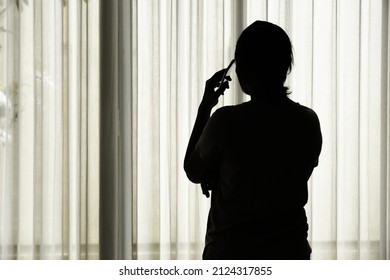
(210, 144)
(314, 143)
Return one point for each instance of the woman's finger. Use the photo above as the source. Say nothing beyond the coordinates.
(222, 88)
(216, 78)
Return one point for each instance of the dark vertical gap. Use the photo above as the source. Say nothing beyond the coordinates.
(108, 133)
(134, 37)
(120, 107)
(385, 133)
(135, 119)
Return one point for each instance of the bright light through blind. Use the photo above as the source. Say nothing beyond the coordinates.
(159, 57)
(49, 129)
(341, 71)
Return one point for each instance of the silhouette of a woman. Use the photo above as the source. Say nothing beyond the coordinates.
(256, 157)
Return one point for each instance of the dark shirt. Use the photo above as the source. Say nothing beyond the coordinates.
(259, 157)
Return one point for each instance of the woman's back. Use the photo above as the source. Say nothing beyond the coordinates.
(263, 159)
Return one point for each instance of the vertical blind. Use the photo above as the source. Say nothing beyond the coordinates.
(341, 71)
(49, 160)
(97, 102)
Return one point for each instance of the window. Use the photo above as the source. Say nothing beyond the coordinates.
(98, 98)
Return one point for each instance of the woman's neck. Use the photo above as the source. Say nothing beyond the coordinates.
(269, 96)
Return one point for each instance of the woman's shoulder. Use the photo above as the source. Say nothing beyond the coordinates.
(226, 111)
(303, 110)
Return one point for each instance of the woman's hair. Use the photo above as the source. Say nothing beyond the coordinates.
(264, 56)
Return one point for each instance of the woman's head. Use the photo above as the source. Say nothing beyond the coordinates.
(263, 58)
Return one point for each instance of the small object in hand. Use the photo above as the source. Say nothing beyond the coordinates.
(225, 74)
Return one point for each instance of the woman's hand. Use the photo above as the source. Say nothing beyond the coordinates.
(214, 89)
